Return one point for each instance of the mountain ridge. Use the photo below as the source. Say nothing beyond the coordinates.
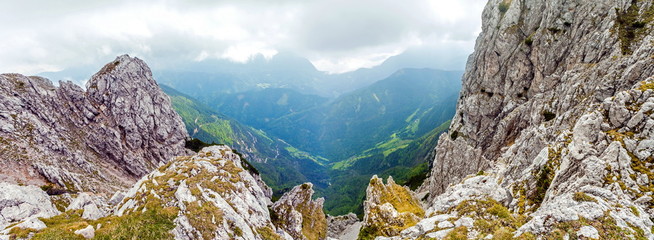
(75, 139)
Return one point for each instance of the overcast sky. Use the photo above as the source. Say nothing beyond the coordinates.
(335, 35)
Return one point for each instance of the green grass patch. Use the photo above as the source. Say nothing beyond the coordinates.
(583, 197)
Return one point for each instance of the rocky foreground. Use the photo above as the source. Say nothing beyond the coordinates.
(209, 195)
(553, 139)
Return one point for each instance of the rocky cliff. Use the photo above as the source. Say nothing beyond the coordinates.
(555, 118)
(101, 139)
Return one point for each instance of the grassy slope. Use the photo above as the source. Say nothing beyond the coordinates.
(408, 103)
(282, 166)
(405, 160)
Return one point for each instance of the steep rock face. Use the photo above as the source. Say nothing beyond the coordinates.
(131, 102)
(299, 215)
(388, 209)
(537, 65)
(602, 170)
(556, 111)
(99, 140)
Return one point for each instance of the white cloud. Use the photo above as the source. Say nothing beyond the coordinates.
(336, 35)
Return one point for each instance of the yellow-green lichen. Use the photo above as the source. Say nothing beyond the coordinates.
(267, 233)
(408, 207)
(605, 225)
(635, 211)
(459, 233)
(644, 86)
(204, 217)
(491, 217)
(583, 197)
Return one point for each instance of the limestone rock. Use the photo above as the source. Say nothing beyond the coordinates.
(517, 97)
(100, 140)
(589, 232)
(336, 225)
(210, 195)
(556, 109)
(299, 215)
(389, 209)
(18, 203)
(33, 223)
(87, 232)
(94, 206)
(477, 187)
(425, 225)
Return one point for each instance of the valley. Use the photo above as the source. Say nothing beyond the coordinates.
(337, 143)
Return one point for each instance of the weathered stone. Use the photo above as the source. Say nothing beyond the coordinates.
(445, 224)
(99, 140)
(477, 187)
(389, 208)
(213, 195)
(18, 203)
(565, 115)
(589, 232)
(439, 234)
(338, 224)
(299, 215)
(94, 206)
(465, 221)
(645, 149)
(87, 232)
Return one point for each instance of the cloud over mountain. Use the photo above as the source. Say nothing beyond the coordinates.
(337, 36)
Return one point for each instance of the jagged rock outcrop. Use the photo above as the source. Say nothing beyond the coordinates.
(555, 112)
(389, 208)
(99, 140)
(338, 227)
(299, 215)
(93, 206)
(210, 196)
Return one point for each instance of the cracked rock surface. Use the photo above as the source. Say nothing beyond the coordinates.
(100, 139)
(555, 114)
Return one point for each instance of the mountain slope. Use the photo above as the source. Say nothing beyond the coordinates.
(281, 165)
(259, 107)
(552, 135)
(407, 161)
(409, 103)
(101, 139)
